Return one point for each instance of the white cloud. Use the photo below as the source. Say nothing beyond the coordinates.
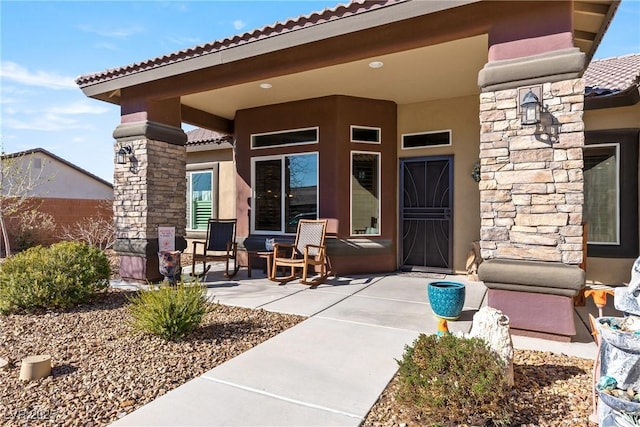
(239, 24)
(117, 33)
(16, 73)
(44, 122)
(183, 41)
(108, 46)
(83, 106)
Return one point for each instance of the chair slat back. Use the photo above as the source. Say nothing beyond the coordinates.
(310, 232)
(219, 232)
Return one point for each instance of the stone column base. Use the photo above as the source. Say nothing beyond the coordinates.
(139, 258)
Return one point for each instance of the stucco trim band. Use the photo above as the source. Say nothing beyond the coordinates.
(150, 130)
(546, 67)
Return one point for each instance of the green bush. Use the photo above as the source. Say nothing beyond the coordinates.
(449, 380)
(60, 276)
(170, 312)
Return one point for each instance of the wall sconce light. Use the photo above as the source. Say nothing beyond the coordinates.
(123, 152)
(530, 105)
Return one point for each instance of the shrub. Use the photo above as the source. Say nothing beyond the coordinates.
(449, 380)
(31, 228)
(96, 231)
(60, 276)
(170, 312)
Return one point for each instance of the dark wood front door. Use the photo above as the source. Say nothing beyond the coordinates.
(426, 188)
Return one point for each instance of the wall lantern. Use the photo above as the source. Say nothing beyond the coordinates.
(530, 108)
(123, 152)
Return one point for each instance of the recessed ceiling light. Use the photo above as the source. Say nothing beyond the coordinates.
(376, 64)
(266, 85)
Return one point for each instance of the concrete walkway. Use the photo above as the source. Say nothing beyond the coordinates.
(330, 369)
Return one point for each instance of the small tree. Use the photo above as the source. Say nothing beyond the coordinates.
(98, 230)
(18, 179)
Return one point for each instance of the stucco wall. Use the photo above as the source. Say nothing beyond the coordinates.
(204, 160)
(461, 116)
(611, 271)
(333, 116)
(58, 180)
(226, 176)
(612, 118)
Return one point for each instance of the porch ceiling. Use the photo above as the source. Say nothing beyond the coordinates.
(446, 70)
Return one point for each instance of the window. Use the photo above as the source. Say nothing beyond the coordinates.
(602, 193)
(279, 139)
(285, 191)
(611, 193)
(365, 193)
(365, 134)
(426, 139)
(199, 199)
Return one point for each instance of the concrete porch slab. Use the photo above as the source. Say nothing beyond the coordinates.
(331, 364)
(246, 294)
(202, 402)
(404, 315)
(305, 303)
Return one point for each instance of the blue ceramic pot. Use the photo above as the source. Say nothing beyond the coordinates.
(446, 299)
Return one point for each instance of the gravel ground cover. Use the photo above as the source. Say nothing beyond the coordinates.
(549, 390)
(103, 370)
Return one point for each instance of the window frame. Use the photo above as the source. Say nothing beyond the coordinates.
(629, 140)
(616, 145)
(254, 135)
(283, 220)
(189, 201)
(379, 184)
(358, 141)
(448, 131)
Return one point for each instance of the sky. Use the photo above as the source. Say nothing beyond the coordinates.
(45, 45)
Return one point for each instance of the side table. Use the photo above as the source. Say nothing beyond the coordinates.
(267, 255)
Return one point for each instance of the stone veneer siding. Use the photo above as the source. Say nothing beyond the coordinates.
(531, 187)
(154, 195)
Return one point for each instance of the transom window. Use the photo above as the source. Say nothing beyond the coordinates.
(426, 139)
(365, 193)
(285, 138)
(285, 191)
(199, 199)
(365, 134)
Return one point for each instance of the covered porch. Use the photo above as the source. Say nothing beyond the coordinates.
(355, 94)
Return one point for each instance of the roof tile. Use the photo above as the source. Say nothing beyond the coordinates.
(340, 11)
(612, 75)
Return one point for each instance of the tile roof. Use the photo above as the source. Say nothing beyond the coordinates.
(612, 75)
(316, 18)
(202, 136)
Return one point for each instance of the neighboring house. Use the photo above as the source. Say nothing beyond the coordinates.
(374, 114)
(61, 189)
(612, 137)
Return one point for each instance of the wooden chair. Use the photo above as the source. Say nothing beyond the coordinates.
(220, 246)
(308, 250)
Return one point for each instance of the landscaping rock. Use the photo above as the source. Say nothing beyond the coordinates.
(104, 370)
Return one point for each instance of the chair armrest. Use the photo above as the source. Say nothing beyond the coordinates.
(321, 250)
(284, 245)
(277, 247)
(198, 242)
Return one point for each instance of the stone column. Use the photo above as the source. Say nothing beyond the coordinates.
(149, 192)
(531, 187)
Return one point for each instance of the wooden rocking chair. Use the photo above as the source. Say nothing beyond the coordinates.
(220, 246)
(308, 250)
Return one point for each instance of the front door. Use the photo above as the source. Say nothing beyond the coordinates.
(426, 187)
